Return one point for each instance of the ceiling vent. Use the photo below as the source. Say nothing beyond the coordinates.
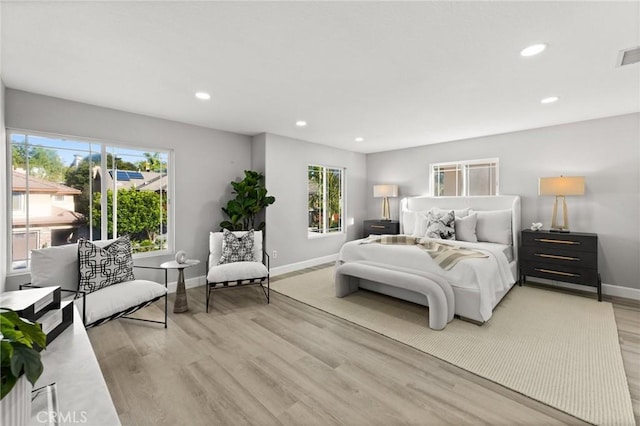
(629, 56)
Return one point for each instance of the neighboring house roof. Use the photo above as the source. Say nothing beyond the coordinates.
(142, 181)
(59, 216)
(19, 184)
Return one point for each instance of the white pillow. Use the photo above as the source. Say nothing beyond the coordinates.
(466, 228)
(494, 226)
(215, 246)
(420, 228)
(457, 212)
(409, 219)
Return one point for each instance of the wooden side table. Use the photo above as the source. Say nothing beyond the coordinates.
(181, 304)
(379, 227)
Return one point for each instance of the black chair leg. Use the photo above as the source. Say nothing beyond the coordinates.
(208, 294)
(166, 302)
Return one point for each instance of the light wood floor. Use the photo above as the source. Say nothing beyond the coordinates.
(246, 362)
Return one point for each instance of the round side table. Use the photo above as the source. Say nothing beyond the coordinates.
(181, 304)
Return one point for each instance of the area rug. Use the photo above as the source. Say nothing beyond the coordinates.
(556, 348)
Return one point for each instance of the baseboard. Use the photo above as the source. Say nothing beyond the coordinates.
(284, 269)
(608, 289)
(188, 283)
(616, 290)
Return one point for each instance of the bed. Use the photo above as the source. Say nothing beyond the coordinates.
(470, 289)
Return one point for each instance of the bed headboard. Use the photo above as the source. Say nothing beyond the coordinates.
(497, 202)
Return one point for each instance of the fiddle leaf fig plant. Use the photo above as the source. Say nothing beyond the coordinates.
(251, 198)
(21, 341)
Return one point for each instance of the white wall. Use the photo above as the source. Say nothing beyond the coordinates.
(286, 167)
(606, 151)
(206, 160)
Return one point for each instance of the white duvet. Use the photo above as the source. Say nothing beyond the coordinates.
(489, 275)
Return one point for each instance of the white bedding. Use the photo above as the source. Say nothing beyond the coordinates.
(489, 275)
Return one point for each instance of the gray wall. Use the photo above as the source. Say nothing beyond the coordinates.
(206, 160)
(606, 151)
(3, 194)
(286, 167)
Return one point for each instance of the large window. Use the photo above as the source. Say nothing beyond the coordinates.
(325, 200)
(464, 178)
(67, 189)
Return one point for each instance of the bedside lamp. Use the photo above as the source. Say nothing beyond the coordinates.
(561, 187)
(384, 192)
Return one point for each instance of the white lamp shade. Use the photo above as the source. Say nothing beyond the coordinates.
(385, 191)
(563, 185)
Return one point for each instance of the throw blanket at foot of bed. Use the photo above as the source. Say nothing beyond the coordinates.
(437, 291)
(445, 255)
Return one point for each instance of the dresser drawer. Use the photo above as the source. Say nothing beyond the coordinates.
(569, 241)
(379, 227)
(565, 273)
(558, 256)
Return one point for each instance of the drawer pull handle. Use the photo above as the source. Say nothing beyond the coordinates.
(547, 240)
(549, 271)
(378, 226)
(555, 256)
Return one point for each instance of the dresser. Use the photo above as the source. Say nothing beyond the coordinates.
(570, 257)
(379, 227)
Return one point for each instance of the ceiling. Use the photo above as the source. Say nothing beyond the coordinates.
(396, 74)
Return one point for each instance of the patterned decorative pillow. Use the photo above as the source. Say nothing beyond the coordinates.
(441, 225)
(102, 267)
(236, 249)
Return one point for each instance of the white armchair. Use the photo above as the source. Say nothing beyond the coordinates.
(60, 266)
(236, 259)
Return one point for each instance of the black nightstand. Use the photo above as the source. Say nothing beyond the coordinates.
(570, 257)
(379, 227)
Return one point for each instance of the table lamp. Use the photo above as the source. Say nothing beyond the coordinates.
(561, 187)
(384, 192)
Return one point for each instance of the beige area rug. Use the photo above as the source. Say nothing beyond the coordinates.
(556, 348)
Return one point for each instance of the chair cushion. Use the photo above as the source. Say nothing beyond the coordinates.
(118, 298)
(236, 249)
(102, 267)
(215, 246)
(237, 271)
(58, 265)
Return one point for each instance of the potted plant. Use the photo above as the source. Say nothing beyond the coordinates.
(250, 199)
(21, 365)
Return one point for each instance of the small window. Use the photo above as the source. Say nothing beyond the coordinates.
(18, 202)
(464, 178)
(325, 199)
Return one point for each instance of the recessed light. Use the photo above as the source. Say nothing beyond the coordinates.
(203, 95)
(359, 139)
(301, 123)
(549, 100)
(533, 49)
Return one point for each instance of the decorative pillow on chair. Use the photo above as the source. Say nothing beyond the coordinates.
(441, 225)
(102, 267)
(236, 249)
